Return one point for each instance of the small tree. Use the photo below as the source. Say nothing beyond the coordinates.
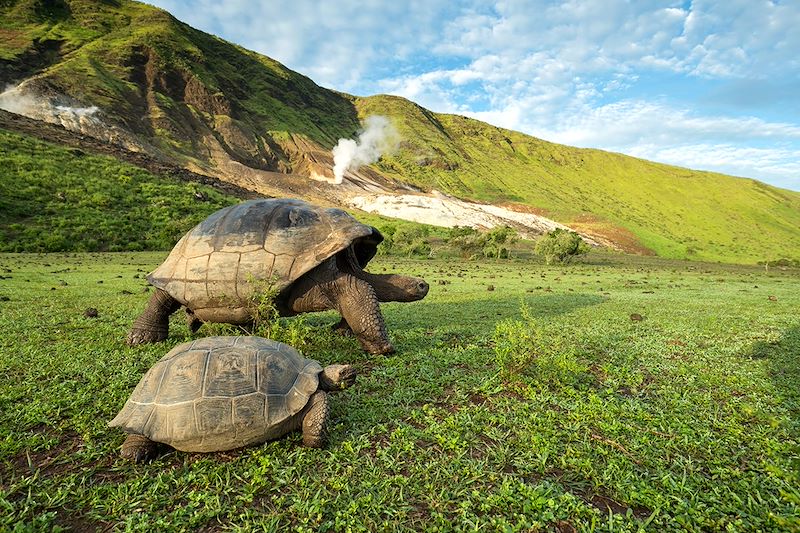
(473, 244)
(560, 245)
(498, 241)
(467, 240)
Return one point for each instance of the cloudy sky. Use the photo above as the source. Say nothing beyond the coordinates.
(706, 84)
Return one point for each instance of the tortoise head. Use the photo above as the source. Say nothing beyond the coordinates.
(337, 377)
(388, 287)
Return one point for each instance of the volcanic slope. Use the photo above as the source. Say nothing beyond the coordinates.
(204, 103)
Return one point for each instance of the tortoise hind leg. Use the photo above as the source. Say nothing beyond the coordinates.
(315, 421)
(139, 449)
(153, 324)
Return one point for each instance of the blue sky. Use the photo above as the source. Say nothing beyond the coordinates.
(705, 84)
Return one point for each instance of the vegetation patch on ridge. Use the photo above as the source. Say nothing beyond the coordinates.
(59, 199)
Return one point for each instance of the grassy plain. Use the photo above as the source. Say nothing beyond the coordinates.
(621, 394)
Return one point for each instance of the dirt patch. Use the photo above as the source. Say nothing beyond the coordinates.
(477, 399)
(530, 210)
(562, 526)
(609, 505)
(50, 462)
(609, 234)
(73, 521)
(212, 527)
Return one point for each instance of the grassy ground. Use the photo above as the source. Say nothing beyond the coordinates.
(617, 395)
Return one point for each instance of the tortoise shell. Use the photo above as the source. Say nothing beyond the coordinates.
(220, 393)
(276, 240)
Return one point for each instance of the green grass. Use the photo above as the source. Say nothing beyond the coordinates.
(60, 199)
(686, 419)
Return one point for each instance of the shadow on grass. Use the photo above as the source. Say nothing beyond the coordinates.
(784, 368)
(488, 311)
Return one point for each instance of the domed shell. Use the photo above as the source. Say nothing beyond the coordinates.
(276, 240)
(220, 393)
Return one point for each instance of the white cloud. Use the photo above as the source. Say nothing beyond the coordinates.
(626, 123)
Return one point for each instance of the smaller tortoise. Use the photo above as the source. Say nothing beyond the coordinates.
(221, 393)
(314, 257)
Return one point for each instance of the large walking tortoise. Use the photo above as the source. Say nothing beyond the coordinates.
(221, 393)
(314, 257)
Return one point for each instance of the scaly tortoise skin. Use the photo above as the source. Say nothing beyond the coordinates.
(221, 393)
(313, 256)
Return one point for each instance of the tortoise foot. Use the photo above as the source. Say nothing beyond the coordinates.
(138, 336)
(139, 449)
(377, 348)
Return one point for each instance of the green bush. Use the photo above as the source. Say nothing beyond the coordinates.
(560, 246)
(498, 242)
(469, 242)
(409, 240)
(472, 244)
(520, 350)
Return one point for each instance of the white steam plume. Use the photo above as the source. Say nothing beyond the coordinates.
(377, 138)
(16, 100)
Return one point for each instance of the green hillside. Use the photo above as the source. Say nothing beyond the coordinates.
(59, 199)
(167, 82)
(675, 212)
(196, 99)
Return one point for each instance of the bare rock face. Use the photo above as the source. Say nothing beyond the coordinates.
(442, 210)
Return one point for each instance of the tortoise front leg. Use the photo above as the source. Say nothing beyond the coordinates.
(326, 288)
(315, 421)
(359, 308)
(153, 324)
(356, 301)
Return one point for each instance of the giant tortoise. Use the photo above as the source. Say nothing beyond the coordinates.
(313, 257)
(221, 393)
